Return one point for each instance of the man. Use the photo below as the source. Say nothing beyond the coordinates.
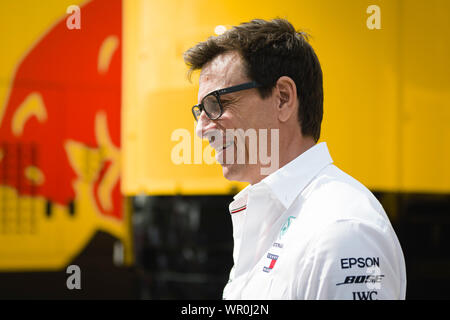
(305, 230)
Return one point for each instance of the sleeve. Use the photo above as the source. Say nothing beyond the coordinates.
(353, 260)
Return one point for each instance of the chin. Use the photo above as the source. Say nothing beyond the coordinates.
(234, 172)
(230, 173)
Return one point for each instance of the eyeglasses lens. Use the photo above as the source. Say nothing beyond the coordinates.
(212, 107)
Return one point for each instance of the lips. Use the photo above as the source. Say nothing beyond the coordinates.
(220, 145)
(228, 145)
(221, 152)
(217, 140)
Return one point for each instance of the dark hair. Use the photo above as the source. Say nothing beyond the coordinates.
(270, 50)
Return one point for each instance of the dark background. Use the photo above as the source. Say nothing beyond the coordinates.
(183, 248)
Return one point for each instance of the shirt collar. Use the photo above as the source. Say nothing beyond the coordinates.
(240, 199)
(288, 181)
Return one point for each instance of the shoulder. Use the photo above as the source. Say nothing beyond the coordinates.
(352, 237)
(334, 196)
(341, 218)
(344, 232)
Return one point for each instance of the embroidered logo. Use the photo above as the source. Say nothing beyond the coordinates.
(285, 226)
(273, 259)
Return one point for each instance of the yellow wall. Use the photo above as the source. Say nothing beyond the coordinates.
(425, 96)
(386, 91)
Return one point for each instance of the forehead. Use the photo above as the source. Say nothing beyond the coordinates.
(223, 71)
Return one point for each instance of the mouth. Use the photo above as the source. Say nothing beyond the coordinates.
(221, 152)
(227, 145)
(218, 142)
(220, 147)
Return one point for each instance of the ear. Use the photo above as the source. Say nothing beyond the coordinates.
(288, 102)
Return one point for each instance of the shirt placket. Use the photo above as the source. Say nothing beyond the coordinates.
(261, 222)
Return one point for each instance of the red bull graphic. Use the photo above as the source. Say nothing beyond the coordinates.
(60, 130)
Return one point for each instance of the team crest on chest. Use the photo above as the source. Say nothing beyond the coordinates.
(286, 226)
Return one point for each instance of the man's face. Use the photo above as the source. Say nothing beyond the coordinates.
(241, 110)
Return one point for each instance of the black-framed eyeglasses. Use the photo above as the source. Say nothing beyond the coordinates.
(211, 102)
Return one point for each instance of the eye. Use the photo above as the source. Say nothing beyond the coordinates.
(225, 102)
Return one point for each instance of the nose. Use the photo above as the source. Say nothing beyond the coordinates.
(204, 124)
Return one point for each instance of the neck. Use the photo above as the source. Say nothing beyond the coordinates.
(291, 145)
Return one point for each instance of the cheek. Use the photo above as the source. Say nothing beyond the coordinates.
(256, 114)
(263, 117)
(233, 118)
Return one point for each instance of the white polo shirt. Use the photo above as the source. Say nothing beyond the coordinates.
(310, 231)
